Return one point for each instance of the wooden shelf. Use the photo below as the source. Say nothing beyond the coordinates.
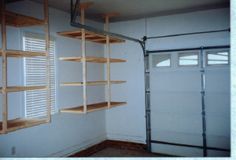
(19, 20)
(13, 125)
(92, 107)
(23, 88)
(18, 54)
(91, 59)
(90, 36)
(91, 83)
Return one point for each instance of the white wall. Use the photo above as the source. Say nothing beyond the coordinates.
(67, 133)
(128, 123)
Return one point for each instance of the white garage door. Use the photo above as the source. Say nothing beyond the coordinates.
(176, 110)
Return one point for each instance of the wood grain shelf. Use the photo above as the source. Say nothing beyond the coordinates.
(91, 59)
(23, 88)
(19, 20)
(16, 124)
(92, 107)
(90, 36)
(19, 54)
(90, 83)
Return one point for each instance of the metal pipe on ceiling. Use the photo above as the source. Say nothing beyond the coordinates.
(74, 14)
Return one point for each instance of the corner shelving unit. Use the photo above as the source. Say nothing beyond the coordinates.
(9, 18)
(85, 35)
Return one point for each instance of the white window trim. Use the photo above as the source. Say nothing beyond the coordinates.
(23, 34)
(216, 50)
(163, 67)
(186, 52)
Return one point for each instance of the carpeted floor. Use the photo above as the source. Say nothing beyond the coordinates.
(114, 152)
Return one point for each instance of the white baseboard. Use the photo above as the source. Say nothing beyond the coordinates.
(76, 148)
(127, 138)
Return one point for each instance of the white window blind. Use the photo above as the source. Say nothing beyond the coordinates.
(35, 75)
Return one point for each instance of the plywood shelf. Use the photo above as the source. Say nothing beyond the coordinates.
(92, 107)
(19, 54)
(19, 20)
(13, 19)
(23, 88)
(90, 83)
(16, 124)
(91, 59)
(90, 36)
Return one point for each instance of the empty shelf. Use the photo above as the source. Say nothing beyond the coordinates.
(91, 83)
(18, 54)
(23, 88)
(19, 20)
(16, 124)
(91, 59)
(90, 36)
(92, 107)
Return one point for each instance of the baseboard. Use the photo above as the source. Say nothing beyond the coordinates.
(82, 146)
(111, 144)
(126, 138)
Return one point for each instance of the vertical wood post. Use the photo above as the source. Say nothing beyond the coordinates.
(108, 54)
(4, 69)
(47, 49)
(84, 64)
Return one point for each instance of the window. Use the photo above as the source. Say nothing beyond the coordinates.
(162, 60)
(217, 57)
(35, 74)
(188, 59)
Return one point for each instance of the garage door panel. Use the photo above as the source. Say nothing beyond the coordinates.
(172, 81)
(213, 153)
(218, 125)
(217, 80)
(178, 137)
(218, 141)
(176, 150)
(176, 105)
(218, 103)
(176, 123)
(173, 102)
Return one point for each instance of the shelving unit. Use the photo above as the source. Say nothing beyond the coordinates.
(89, 83)
(92, 107)
(19, 20)
(17, 124)
(91, 59)
(90, 36)
(84, 36)
(15, 53)
(9, 18)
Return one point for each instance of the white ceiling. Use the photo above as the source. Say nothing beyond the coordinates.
(133, 9)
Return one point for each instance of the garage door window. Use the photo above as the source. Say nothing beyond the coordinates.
(217, 57)
(162, 60)
(188, 59)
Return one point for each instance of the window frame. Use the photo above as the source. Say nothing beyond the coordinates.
(216, 50)
(162, 67)
(40, 36)
(190, 52)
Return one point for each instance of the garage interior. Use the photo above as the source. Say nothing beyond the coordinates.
(115, 78)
